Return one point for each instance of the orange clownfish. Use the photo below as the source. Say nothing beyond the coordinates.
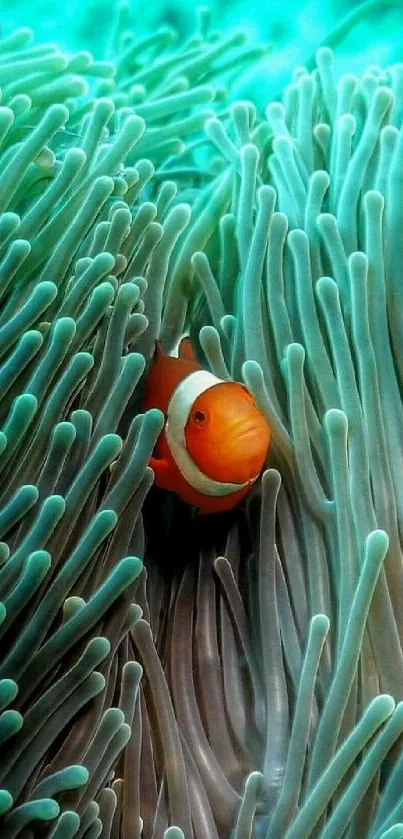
(214, 441)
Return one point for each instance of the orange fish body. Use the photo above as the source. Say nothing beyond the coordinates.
(214, 441)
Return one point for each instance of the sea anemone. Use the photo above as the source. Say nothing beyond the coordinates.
(163, 675)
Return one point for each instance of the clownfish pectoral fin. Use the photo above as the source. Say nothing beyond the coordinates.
(162, 472)
(186, 350)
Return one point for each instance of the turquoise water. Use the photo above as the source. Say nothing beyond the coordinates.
(233, 174)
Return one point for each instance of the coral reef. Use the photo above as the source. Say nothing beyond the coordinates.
(162, 676)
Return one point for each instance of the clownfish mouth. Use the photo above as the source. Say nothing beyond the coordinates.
(248, 437)
(244, 451)
(251, 432)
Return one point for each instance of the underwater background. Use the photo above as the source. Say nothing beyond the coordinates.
(235, 173)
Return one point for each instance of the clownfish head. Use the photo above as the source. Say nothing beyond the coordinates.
(226, 434)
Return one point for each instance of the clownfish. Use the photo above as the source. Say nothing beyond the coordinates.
(214, 442)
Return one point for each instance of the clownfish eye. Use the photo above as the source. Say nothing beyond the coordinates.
(199, 417)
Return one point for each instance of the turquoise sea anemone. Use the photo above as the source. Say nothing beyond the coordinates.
(162, 675)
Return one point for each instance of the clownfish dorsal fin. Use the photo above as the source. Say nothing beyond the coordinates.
(164, 375)
(186, 350)
(158, 351)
